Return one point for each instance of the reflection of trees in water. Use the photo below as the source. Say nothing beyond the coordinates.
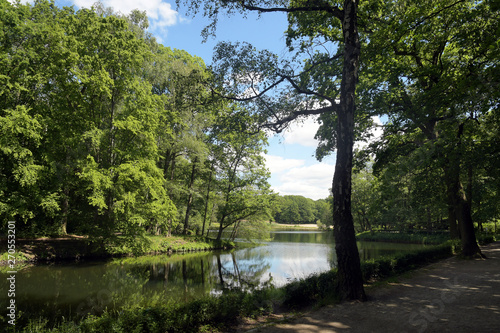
(243, 274)
(303, 237)
(74, 291)
(193, 277)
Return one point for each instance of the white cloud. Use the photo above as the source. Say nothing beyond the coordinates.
(313, 181)
(302, 133)
(278, 164)
(159, 12)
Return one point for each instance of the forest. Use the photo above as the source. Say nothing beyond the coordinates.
(105, 132)
(109, 134)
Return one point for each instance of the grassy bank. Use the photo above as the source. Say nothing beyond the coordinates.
(417, 237)
(75, 248)
(279, 226)
(215, 314)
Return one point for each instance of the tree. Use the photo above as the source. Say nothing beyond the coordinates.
(431, 73)
(180, 80)
(259, 75)
(86, 123)
(365, 199)
(241, 176)
(298, 209)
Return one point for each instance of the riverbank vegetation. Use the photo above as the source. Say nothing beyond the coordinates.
(221, 313)
(70, 249)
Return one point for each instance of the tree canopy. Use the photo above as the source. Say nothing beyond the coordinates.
(109, 134)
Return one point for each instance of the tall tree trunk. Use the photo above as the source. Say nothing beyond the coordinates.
(350, 279)
(464, 215)
(206, 202)
(458, 200)
(451, 191)
(468, 235)
(65, 211)
(190, 197)
(210, 219)
(221, 228)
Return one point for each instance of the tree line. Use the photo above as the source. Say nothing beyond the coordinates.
(107, 133)
(296, 209)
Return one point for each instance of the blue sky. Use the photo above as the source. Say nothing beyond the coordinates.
(290, 157)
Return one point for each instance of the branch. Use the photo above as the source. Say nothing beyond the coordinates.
(310, 6)
(246, 99)
(278, 125)
(306, 91)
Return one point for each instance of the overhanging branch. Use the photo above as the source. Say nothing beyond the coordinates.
(278, 126)
(309, 6)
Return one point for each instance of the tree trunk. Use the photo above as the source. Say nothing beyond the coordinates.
(64, 211)
(457, 197)
(467, 233)
(206, 202)
(190, 197)
(458, 207)
(221, 228)
(350, 280)
(452, 213)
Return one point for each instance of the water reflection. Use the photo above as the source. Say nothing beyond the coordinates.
(73, 290)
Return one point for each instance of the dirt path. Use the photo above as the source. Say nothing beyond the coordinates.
(453, 295)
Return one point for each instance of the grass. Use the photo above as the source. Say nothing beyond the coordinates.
(72, 249)
(280, 226)
(420, 237)
(161, 244)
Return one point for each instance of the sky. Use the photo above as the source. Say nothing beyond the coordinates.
(290, 156)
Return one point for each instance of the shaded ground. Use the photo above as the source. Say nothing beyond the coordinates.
(453, 295)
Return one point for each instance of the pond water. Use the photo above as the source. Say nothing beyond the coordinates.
(76, 289)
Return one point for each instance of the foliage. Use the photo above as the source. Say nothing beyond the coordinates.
(417, 237)
(385, 267)
(296, 209)
(431, 73)
(313, 289)
(109, 134)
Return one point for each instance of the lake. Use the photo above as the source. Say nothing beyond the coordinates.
(76, 289)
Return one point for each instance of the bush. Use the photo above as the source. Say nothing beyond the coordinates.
(385, 267)
(312, 289)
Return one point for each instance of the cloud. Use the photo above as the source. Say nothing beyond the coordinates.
(312, 181)
(302, 133)
(159, 12)
(278, 164)
(294, 178)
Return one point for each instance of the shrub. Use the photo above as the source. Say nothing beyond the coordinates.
(312, 289)
(386, 267)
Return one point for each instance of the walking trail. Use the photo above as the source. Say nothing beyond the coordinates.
(453, 295)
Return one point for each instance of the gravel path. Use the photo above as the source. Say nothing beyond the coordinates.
(453, 295)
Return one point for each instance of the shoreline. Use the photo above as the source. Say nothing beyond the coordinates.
(32, 251)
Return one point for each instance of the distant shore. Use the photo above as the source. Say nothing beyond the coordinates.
(294, 226)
